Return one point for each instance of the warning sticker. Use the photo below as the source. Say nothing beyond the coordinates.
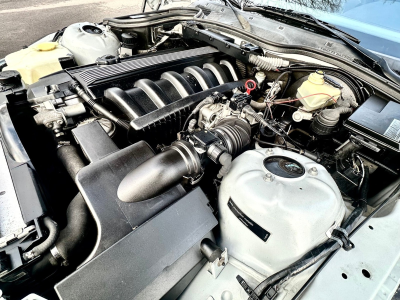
(393, 131)
(249, 223)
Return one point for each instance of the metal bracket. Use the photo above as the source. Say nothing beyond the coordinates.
(216, 267)
(359, 140)
(17, 235)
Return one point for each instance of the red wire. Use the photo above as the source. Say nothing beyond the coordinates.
(297, 99)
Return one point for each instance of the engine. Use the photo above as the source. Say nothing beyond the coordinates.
(191, 158)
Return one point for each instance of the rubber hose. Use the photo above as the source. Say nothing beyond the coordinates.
(71, 159)
(97, 107)
(160, 173)
(289, 80)
(78, 232)
(242, 68)
(267, 63)
(258, 105)
(48, 242)
(193, 12)
(226, 161)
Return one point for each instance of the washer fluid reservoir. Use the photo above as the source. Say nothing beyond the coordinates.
(275, 205)
(88, 41)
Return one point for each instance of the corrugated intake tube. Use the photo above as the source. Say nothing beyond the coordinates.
(267, 63)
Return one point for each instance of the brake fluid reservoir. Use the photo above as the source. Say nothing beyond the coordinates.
(315, 85)
(37, 61)
(275, 205)
(88, 41)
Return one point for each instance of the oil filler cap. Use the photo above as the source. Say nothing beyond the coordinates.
(285, 167)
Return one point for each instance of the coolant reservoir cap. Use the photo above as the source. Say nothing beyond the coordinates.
(285, 167)
(317, 77)
(48, 46)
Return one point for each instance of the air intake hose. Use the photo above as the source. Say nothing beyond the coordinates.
(234, 135)
(160, 173)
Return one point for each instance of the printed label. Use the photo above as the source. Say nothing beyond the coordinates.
(249, 223)
(393, 131)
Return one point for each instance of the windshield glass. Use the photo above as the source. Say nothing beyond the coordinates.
(376, 23)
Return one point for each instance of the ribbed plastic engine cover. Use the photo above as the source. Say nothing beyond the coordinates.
(274, 207)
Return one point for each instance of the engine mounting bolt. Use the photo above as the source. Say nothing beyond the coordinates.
(59, 121)
(269, 151)
(313, 171)
(268, 177)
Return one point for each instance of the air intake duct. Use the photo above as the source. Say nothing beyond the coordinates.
(160, 173)
(182, 159)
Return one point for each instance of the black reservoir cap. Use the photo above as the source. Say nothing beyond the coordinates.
(9, 77)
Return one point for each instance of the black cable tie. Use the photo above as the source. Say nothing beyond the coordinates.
(247, 289)
(341, 236)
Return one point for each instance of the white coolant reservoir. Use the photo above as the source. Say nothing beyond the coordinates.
(275, 205)
(89, 41)
(37, 61)
(315, 85)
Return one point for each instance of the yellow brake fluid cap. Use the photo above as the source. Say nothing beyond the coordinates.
(48, 46)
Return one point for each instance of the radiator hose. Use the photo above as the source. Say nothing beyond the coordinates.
(76, 236)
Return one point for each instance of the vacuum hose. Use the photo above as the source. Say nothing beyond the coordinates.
(96, 106)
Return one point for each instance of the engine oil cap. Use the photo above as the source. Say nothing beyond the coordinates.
(285, 167)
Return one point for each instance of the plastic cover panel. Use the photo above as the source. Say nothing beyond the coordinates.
(128, 267)
(98, 183)
(93, 75)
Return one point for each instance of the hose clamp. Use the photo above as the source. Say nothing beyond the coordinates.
(58, 257)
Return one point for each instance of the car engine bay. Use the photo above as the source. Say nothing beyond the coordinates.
(172, 161)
